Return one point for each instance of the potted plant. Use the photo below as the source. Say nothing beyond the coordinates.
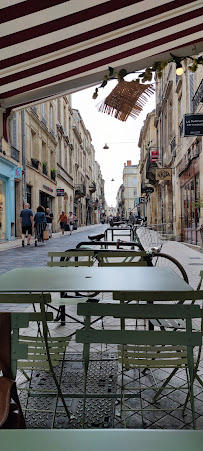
(53, 174)
(44, 168)
(35, 163)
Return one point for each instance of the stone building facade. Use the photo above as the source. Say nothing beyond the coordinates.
(174, 202)
(49, 161)
(127, 193)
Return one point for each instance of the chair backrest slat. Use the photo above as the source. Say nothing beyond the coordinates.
(185, 337)
(153, 311)
(145, 337)
(24, 298)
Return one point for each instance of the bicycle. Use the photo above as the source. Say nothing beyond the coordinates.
(156, 257)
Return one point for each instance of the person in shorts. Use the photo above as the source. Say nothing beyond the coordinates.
(26, 220)
(63, 221)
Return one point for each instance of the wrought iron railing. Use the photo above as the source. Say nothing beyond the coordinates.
(198, 97)
(181, 128)
(15, 154)
(80, 190)
(44, 121)
(173, 144)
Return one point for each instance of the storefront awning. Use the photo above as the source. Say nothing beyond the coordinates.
(53, 47)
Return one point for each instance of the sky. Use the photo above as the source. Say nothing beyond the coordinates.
(121, 137)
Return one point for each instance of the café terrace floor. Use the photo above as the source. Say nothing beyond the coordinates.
(104, 376)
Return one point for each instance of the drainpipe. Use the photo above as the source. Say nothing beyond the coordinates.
(24, 178)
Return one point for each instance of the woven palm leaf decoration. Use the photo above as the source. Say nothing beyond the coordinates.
(127, 99)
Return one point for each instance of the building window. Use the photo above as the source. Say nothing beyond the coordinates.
(42, 110)
(135, 192)
(134, 181)
(33, 145)
(58, 110)
(14, 131)
(51, 117)
(191, 90)
(28, 195)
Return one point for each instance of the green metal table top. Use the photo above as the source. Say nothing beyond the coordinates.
(100, 439)
(83, 279)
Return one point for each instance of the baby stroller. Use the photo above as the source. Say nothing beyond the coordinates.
(39, 233)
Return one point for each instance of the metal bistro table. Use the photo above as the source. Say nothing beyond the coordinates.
(141, 283)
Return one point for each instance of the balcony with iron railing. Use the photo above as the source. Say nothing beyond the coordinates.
(34, 109)
(77, 133)
(151, 164)
(15, 154)
(80, 190)
(181, 128)
(173, 145)
(198, 97)
(92, 187)
(43, 120)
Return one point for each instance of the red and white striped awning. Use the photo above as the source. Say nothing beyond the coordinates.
(52, 47)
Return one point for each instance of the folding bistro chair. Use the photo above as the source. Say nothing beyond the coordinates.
(143, 348)
(42, 351)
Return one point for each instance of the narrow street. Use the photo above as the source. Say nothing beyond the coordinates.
(12, 255)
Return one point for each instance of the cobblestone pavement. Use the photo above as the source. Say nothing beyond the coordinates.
(12, 255)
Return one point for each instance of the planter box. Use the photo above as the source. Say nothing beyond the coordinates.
(44, 170)
(35, 163)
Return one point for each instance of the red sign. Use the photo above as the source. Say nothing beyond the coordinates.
(154, 156)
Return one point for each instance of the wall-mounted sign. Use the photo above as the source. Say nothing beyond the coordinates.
(47, 187)
(142, 200)
(18, 173)
(60, 192)
(163, 174)
(193, 125)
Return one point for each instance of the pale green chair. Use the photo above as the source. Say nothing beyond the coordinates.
(143, 348)
(50, 351)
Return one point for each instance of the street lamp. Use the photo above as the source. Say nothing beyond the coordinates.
(125, 142)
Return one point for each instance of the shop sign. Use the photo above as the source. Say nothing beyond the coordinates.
(163, 174)
(48, 189)
(193, 125)
(60, 192)
(142, 200)
(18, 173)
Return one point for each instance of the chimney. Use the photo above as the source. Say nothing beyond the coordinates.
(128, 162)
(124, 165)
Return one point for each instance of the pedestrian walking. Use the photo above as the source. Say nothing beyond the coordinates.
(131, 218)
(40, 225)
(26, 220)
(63, 221)
(49, 218)
(71, 220)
